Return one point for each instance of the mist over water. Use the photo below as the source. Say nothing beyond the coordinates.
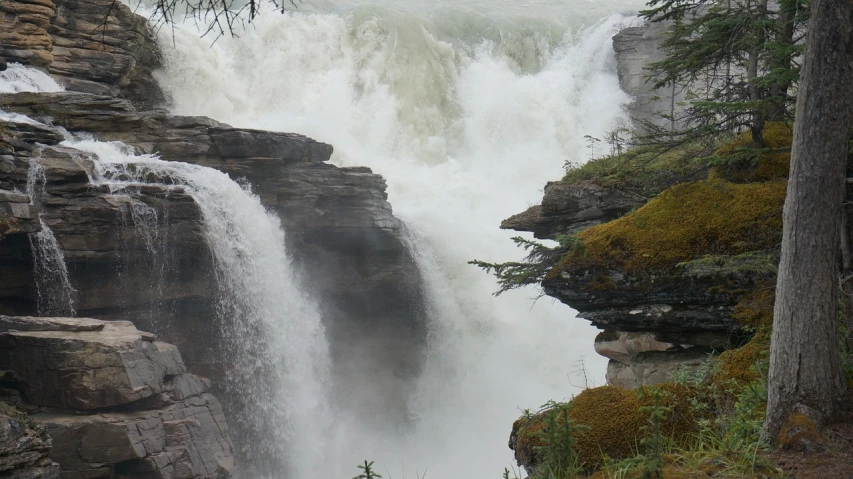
(467, 109)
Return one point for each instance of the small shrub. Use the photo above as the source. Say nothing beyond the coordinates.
(558, 452)
(367, 471)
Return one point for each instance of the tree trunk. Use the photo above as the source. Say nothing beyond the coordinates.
(757, 120)
(805, 360)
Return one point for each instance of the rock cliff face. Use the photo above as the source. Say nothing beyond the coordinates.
(24, 449)
(145, 258)
(636, 49)
(653, 324)
(116, 402)
(95, 46)
(339, 227)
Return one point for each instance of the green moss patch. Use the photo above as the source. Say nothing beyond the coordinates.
(739, 162)
(644, 170)
(615, 420)
(684, 223)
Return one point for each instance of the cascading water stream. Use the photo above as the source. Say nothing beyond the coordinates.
(467, 108)
(277, 348)
(279, 358)
(54, 293)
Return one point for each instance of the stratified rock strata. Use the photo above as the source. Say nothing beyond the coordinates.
(116, 402)
(339, 227)
(95, 46)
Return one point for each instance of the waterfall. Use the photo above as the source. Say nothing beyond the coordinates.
(276, 342)
(54, 293)
(467, 108)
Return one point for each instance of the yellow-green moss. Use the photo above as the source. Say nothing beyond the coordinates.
(7, 225)
(614, 419)
(683, 223)
(736, 367)
(600, 283)
(772, 164)
(528, 433)
(800, 434)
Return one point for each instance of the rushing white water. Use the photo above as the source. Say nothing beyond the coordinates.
(276, 340)
(19, 78)
(467, 108)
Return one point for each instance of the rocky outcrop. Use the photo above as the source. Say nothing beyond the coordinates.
(339, 226)
(24, 449)
(568, 208)
(638, 358)
(94, 229)
(654, 322)
(95, 46)
(17, 215)
(637, 48)
(116, 402)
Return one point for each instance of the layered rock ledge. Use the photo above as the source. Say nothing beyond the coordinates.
(116, 402)
(635, 277)
(340, 230)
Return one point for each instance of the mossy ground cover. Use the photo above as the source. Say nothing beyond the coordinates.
(7, 225)
(730, 220)
(736, 210)
(644, 170)
(615, 440)
(684, 223)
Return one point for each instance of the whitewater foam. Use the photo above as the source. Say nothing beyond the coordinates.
(467, 108)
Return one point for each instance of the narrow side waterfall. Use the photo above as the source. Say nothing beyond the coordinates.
(55, 294)
(467, 108)
(275, 338)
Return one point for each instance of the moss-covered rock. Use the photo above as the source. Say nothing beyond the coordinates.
(800, 434)
(739, 367)
(772, 163)
(615, 421)
(8, 225)
(683, 223)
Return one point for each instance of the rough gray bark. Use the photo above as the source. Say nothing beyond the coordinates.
(805, 361)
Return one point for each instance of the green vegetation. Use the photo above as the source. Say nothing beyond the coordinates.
(540, 259)
(734, 61)
(670, 430)
(684, 223)
(645, 170)
(367, 471)
(7, 409)
(559, 436)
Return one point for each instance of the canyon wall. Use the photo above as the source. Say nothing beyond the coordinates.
(144, 258)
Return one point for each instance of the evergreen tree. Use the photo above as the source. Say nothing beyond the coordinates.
(734, 60)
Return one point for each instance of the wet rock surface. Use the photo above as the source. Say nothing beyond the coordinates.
(339, 227)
